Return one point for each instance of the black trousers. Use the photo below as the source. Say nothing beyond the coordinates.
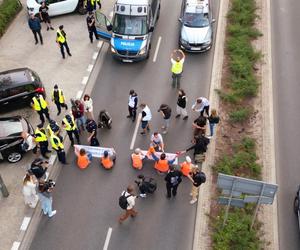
(59, 105)
(76, 134)
(206, 109)
(42, 113)
(62, 50)
(171, 188)
(44, 148)
(93, 31)
(94, 142)
(35, 33)
(132, 112)
(61, 155)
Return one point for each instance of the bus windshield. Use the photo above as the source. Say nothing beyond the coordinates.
(130, 25)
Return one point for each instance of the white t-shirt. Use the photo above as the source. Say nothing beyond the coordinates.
(88, 105)
(201, 106)
(157, 140)
(130, 200)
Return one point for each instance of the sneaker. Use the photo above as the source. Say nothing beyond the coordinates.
(191, 194)
(69, 54)
(186, 117)
(165, 132)
(193, 201)
(143, 133)
(47, 28)
(36, 42)
(143, 195)
(163, 127)
(148, 129)
(208, 136)
(52, 214)
(51, 28)
(58, 113)
(177, 116)
(128, 116)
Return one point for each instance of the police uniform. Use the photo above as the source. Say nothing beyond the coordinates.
(132, 105)
(90, 21)
(71, 128)
(40, 106)
(41, 139)
(58, 146)
(62, 41)
(59, 99)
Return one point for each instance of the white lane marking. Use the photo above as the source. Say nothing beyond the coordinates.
(79, 94)
(95, 55)
(25, 223)
(84, 80)
(156, 49)
(15, 245)
(100, 43)
(135, 131)
(108, 235)
(90, 67)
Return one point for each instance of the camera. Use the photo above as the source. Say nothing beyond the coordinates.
(50, 184)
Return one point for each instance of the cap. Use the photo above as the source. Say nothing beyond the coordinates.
(188, 159)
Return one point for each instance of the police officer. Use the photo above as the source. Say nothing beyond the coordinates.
(58, 98)
(41, 139)
(177, 60)
(39, 104)
(58, 146)
(70, 126)
(53, 127)
(90, 21)
(132, 104)
(91, 127)
(62, 41)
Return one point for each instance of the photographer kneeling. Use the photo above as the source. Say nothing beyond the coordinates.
(146, 185)
(45, 189)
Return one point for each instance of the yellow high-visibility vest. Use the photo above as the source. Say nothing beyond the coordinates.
(177, 67)
(56, 146)
(60, 38)
(36, 104)
(61, 97)
(41, 135)
(68, 126)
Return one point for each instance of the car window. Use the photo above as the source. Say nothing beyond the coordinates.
(195, 20)
(10, 127)
(8, 79)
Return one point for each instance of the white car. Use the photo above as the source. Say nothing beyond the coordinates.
(56, 7)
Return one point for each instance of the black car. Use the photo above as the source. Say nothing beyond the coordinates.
(11, 139)
(19, 86)
(297, 205)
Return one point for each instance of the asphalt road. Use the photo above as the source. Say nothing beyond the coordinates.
(87, 201)
(286, 75)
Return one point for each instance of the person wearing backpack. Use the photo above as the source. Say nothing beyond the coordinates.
(127, 202)
(197, 177)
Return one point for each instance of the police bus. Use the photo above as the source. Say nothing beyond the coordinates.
(130, 30)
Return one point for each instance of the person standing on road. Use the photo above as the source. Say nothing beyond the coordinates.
(44, 16)
(201, 105)
(39, 104)
(166, 112)
(61, 39)
(78, 113)
(42, 140)
(181, 105)
(70, 126)
(58, 146)
(146, 118)
(213, 120)
(197, 177)
(35, 26)
(58, 98)
(177, 60)
(45, 195)
(132, 104)
(91, 127)
(130, 199)
(199, 125)
(88, 106)
(29, 191)
(90, 21)
(173, 179)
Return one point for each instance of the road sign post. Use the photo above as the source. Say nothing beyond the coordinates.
(3, 188)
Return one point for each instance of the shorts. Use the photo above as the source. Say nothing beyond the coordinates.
(144, 124)
(46, 18)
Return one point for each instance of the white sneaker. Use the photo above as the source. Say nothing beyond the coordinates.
(193, 201)
(52, 214)
(143, 195)
(191, 194)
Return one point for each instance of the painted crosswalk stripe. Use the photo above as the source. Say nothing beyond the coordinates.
(25, 223)
(84, 80)
(90, 68)
(79, 94)
(95, 55)
(15, 245)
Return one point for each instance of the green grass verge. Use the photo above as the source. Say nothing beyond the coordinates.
(8, 10)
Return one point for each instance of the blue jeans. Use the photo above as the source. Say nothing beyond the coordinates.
(89, 156)
(80, 122)
(46, 204)
(211, 126)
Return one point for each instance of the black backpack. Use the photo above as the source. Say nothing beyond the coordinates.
(151, 185)
(123, 203)
(202, 177)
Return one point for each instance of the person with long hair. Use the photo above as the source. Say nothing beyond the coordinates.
(88, 106)
(181, 105)
(29, 190)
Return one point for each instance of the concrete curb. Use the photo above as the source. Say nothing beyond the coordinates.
(202, 239)
(25, 237)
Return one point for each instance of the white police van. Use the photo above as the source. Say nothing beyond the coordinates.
(130, 30)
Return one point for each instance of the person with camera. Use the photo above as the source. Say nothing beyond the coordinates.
(39, 168)
(45, 189)
(70, 126)
(78, 113)
(146, 185)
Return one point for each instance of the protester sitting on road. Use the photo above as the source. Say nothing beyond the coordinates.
(147, 185)
(162, 165)
(107, 161)
(83, 158)
(29, 191)
(137, 158)
(157, 142)
(186, 166)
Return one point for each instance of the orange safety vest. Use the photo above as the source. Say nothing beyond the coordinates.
(106, 162)
(82, 161)
(136, 161)
(162, 165)
(185, 168)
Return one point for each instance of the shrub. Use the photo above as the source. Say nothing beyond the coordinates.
(240, 114)
(8, 10)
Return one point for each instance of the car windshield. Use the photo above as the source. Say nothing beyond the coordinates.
(195, 20)
(12, 127)
(130, 25)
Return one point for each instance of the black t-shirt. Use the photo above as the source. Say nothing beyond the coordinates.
(198, 178)
(166, 110)
(200, 121)
(90, 20)
(44, 11)
(181, 101)
(173, 178)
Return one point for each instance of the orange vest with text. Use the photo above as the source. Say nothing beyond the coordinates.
(136, 161)
(82, 161)
(106, 162)
(162, 165)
